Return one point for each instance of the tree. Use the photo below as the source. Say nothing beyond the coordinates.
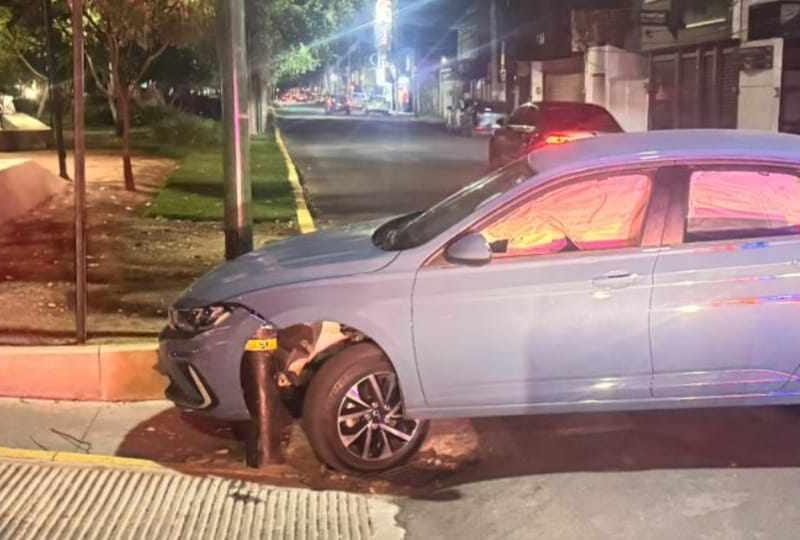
(134, 34)
(289, 38)
(23, 45)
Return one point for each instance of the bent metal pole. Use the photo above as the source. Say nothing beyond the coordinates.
(80, 172)
(232, 53)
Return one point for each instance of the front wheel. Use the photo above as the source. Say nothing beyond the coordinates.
(353, 413)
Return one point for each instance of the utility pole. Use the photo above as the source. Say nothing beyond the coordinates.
(56, 106)
(232, 53)
(81, 296)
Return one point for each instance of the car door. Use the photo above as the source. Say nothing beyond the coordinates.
(560, 314)
(726, 299)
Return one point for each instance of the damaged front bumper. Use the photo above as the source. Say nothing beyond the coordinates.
(205, 369)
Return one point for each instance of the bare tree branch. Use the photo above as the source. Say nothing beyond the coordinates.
(97, 80)
(147, 63)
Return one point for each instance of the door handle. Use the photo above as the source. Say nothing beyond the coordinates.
(616, 279)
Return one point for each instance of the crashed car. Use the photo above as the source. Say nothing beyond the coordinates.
(630, 271)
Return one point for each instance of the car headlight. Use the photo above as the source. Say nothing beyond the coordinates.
(196, 320)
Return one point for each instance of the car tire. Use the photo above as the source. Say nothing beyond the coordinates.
(333, 416)
(494, 160)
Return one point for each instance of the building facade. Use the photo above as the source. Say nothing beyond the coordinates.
(655, 64)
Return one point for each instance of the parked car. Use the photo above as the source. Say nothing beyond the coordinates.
(334, 104)
(630, 271)
(531, 124)
(487, 117)
(378, 104)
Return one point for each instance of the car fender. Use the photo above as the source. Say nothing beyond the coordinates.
(377, 304)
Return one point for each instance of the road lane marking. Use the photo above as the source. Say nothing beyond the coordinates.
(304, 220)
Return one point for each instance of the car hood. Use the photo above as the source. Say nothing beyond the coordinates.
(326, 254)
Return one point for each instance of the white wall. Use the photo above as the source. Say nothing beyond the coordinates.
(760, 91)
(617, 80)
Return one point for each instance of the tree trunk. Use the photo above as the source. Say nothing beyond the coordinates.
(125, 116)
(122, 91)
(255, 109)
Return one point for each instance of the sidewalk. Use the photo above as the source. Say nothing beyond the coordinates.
(54, 501)
(76, 470)
(62, 426)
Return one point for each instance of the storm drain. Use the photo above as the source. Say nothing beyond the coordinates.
(59, 501)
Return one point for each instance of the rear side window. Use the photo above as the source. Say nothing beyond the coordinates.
(591, 214)
(732, 204)
(578, 118)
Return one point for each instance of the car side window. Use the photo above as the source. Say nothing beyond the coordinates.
(589, 214)
(740, 204)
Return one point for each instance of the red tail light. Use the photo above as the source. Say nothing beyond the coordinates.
(566, 137)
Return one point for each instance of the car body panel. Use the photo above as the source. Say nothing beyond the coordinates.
(726, 317)
(540, 329)
(377, 304)
(217, 356)
(331, 253)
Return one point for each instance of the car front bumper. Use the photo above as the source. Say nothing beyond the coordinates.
(204, 369)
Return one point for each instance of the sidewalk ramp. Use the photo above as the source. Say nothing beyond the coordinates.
(41, 500)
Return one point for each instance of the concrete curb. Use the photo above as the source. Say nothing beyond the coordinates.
(304, 220)
(74, 458)
(82, 372)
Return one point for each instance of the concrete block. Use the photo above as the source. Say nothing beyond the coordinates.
(68, 372)
(24, 185)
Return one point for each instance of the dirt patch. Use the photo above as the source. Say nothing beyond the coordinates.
(200, 445)
(137, 265)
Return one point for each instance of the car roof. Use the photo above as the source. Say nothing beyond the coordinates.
(618, 149)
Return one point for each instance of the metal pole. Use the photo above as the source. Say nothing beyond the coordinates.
(270, 419)
(236, 126)
(57, 111)
(81, 298)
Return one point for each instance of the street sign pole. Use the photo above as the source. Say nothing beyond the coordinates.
(232, 52)
(56, 105)
(81, 297)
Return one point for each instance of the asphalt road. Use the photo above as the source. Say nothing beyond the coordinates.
(357, 168)
(710, 473)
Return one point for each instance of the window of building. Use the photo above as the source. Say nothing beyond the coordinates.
(593, 214)
(730, 204)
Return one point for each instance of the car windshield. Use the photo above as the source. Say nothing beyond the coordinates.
(415, 229)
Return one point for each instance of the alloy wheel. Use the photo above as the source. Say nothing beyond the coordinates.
(370, 420)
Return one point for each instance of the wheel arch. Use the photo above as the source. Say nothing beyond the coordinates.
(395, 342)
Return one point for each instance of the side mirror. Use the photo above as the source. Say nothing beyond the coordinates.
(472, 250)
(500, 122)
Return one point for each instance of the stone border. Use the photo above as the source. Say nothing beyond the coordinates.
(82, 372)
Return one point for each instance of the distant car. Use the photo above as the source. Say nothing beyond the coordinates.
(631, 271)
(378, 104)
(546, 122)
(337, 103)
(487, 117)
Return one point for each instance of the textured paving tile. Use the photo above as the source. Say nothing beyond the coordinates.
(59, 501)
